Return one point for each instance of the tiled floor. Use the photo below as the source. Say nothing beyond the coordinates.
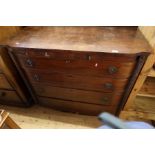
(40, 117)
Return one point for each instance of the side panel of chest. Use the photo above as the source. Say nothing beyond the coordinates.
(12, 89)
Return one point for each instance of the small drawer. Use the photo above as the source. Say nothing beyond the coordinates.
(80, 67)
(4, 83)
(77, 81)
(92, 97)
(76, 107)
(9, 97)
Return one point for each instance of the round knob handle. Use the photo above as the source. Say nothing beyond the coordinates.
(89, 57)
(67, 61)
(36, 77)
(108, 85)
(112, 69)
(29, 62)
(2, 94)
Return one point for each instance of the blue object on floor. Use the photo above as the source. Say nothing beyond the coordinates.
(112, 122)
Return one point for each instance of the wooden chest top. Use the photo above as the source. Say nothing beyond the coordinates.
(96, 39)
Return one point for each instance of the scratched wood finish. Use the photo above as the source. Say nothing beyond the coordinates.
(96, 39)
(102, 84)
(81, 67)
(73, 55)
(85, 55)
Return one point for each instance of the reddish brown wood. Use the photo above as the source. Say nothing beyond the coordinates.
(125, 40)
(66, 65)
(102, 84)
(76, 107)
(77, 95)
(80, 67)
(73, 55)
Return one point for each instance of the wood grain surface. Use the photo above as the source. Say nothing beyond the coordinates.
(79, 54)
(100, 39)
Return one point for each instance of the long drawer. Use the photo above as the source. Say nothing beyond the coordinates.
(9, 97)
(77, 95)
(81, 67)
(76, 107)
(4, 83)
(77, 81)
(73, 55)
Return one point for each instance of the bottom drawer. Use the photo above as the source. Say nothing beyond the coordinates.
(9, 97)
(75, 107)
(107, 99)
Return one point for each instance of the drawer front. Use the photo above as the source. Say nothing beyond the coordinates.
(9, 97)
(77, 95)
(73, 55)
(76, 107)
(80, 67)
(77, 81)
(4, 83)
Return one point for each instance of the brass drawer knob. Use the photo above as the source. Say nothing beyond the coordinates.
(89, 57)
(29, 62)
(67, 61)
(108, 85)
(105, 100)
(2, 94)
(36, 77)
(112, 69)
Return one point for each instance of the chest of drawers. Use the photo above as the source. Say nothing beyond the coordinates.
(85, 70)
(12, 90)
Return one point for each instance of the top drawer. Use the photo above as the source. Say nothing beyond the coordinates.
(100, 68)
(74, 55)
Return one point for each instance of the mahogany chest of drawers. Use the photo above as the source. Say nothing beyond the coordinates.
(85, 70)
(12, 90)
